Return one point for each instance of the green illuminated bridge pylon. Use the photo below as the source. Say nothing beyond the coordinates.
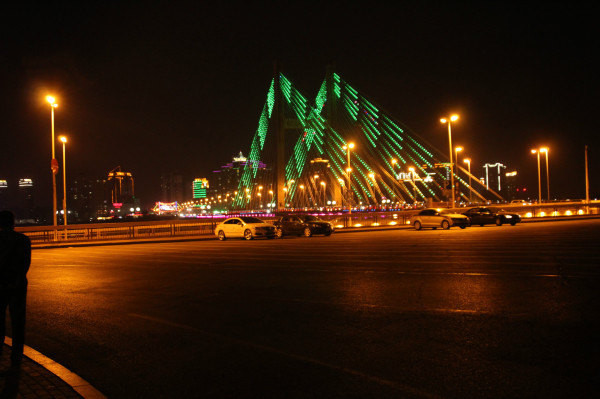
(303, 144)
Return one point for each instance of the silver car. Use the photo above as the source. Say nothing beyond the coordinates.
(435, 218)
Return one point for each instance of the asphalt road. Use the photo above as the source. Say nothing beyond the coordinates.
(485, 312)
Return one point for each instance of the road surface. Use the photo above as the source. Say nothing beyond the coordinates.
(487, 312)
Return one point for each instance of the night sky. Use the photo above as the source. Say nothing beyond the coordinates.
(178, 87)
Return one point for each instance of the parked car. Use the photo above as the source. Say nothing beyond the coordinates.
(244, 227)
(483, 216)
(305, 225)
(435, 218)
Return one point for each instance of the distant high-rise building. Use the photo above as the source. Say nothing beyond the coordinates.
(4, 194)
(199, 188)
(25, 208)
(121, 186)
(226, 179)
(509, 189)
(171, 185)
(101, 198)
(86, 197)
(494, 176)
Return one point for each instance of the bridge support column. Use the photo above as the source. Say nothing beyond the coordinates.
(279, 132)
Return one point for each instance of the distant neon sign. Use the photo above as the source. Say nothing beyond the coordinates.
(165, 207)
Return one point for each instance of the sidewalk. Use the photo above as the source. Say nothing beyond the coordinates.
(32, 381)
(40, 377)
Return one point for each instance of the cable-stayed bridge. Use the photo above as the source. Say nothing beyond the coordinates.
(343, 149)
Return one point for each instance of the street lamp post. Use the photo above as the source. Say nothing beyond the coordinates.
(587, 183)
(323, 184)
(456, 151)
(449, 121)
(63, 139)
(539, 175)
(412, 179)
(468, 162)
(372, 176)
(53, 162)
(349, 147)
(302, 198)
(545, 150)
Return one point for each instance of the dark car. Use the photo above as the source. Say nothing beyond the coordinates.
(305, 225)
(483, 216)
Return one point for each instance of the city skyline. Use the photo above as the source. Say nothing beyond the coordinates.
(162, 92)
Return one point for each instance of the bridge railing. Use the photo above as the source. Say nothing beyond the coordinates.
(119, 231)
(205, 226)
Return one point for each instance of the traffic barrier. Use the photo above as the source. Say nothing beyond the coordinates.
(194, 227)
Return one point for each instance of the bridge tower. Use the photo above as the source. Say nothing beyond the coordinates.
(279, 132)
(281, 125)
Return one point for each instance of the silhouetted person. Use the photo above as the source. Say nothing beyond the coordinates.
(15, 258)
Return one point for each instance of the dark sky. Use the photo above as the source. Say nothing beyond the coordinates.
(171, 86)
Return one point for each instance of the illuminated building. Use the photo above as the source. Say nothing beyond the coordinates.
(121, 186)
(493, 176)
(25, 208)
(171, 185)
(89, 198)
(226, 179)
(3, 194)
(510, 187)
(122, 195)
(199, 188)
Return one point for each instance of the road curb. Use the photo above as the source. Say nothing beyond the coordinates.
(79, 385)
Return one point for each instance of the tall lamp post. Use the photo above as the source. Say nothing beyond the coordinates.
(348, 148)
(545, 150)
(53, 162)
(411, 170)
(456, 151)
(63, 139)
(449, 121)
(587, 183)
(539, 175)
(468, 162)
(372, 177)
(301, 186)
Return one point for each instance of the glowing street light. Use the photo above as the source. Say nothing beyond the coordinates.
(53, 162)
(468, 162)
(546, 151)
(456, 151)
(63, 139)
(449, 121)
(539, 175)
(323, 184)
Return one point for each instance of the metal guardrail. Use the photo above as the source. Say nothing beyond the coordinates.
(205, 226)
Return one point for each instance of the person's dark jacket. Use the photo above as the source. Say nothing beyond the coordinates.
(15, 258)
